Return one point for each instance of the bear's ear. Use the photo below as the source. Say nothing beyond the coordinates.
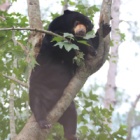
(67, 12)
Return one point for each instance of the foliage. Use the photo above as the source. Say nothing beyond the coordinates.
(93, 121)
(10, 51)
(67, 43)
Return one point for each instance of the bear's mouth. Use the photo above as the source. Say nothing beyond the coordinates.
(80, 30)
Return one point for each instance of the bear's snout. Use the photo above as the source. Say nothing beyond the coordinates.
(80, 30)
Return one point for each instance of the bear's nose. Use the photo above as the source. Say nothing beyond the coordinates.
(81, 33)
(80, 30)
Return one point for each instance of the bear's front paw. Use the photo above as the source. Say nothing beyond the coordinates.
(44, 124)
(106, 29)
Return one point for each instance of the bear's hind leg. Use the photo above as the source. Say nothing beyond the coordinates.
(39, 112)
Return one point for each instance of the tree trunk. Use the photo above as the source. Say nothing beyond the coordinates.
(11, 113)
(11, 100)
(110, 88)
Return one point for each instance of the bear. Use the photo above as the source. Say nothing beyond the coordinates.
(56, 68)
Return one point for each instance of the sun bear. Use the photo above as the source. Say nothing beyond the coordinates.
(55, 69)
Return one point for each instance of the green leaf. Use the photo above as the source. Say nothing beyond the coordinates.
(102, 136)
(57, 39)
(60, 44)
(89, 35)
(121, 132)
(67, 45)
(83, 42)
(88, 103)
(84, 129)
(72, 3)
(92, 96)
(68, 35)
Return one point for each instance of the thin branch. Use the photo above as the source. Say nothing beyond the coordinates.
(24, 48)
(130, 118)
(11, 99)
(136, 101)
(33, 29)
(16, 80)
(135, 125)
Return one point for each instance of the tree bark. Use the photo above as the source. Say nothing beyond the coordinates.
(35, 39)
(31, 130)
(35, 22)
(110, 88)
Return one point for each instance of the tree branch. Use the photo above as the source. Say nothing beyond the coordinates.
(24, 48)
(135, 125)
(32, 29)
(92, 64)
(16, 80)
(130, 118)
(136, 101)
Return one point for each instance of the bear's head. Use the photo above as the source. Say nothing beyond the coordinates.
(71, 22)
(81, 24)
